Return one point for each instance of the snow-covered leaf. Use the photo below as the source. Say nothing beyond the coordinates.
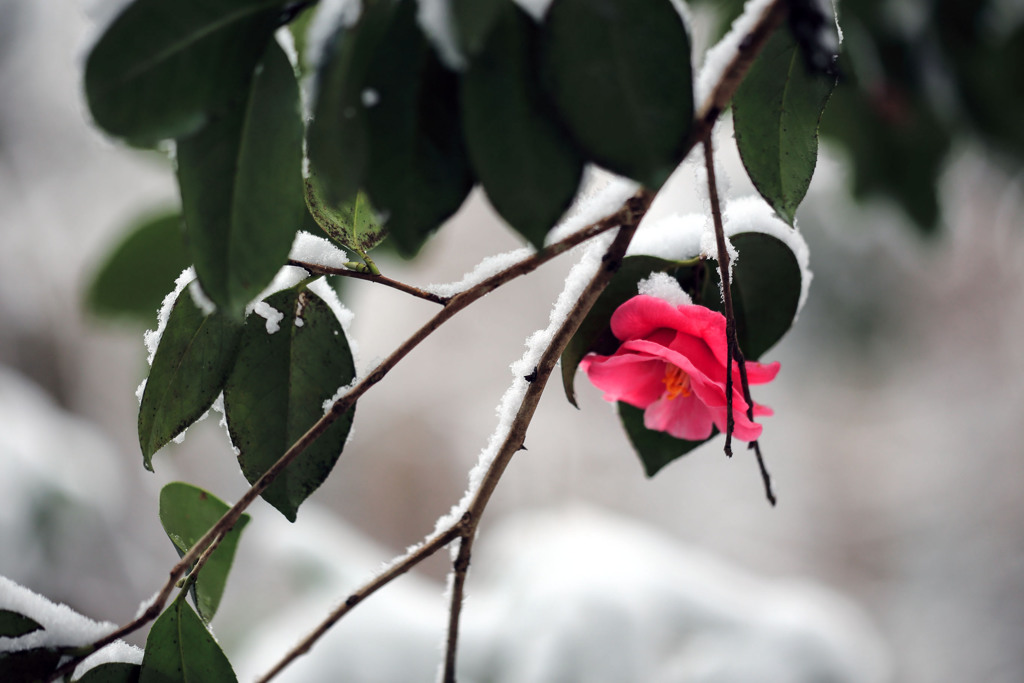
(528, 166)
(186, 513)
(619, 73)
(180, 649)
(140, 270)
(163, 67)
(191, 364)
(241, 187)
(277, 390)
(776, 113)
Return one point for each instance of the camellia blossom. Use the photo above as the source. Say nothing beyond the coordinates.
(671, 363)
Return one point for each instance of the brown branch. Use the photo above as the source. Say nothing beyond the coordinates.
(318, 269)
(732, 343)
(460, 569)
(701, 128)
(466, 526)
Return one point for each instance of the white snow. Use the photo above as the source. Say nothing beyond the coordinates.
(152, 337)
(717, 59)
(345, 316)
(370, 97)
(62, 626)
(576, 281)
(330, 16)
(435, 18)
(271, 314)
(492, 265)
(317, 250)
(118, 651)
(200, 299)
(664, 286)
(286, 41)
(683, 237)
(601, 194)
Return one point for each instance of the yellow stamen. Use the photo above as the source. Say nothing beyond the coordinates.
(677, 382)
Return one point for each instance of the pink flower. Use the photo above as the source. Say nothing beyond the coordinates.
(672, 364)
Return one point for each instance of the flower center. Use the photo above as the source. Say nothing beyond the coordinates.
(677, 382)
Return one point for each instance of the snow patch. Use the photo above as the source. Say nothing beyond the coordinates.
(62, 626)
(316, 250)
(271, 314)
(664, 286)
(718, 58)
(152, 337)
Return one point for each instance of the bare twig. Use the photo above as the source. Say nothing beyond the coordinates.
(465, 527)
(460, 570)
(379, 279)
(732, 344)
(703, 123)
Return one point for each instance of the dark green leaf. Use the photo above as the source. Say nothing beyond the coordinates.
(619, 73)
(191, 364)
(180, 649)
(765, 291)
(353, 225)
(656, 449)
(186, 513)
(474, 20)
(140, 270)
(277, 390)
(776, 113)
(163, 66)
(523, 157)
(418, 174)
(112, 672)
(337, 141)
(13, 624)
(594, 333)
(241, 187)
(28, 665)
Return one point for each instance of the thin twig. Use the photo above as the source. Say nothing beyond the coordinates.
(706, 117)
(732, 343)
(379, 279)
(460, 570)
(340, 407)
(630, 215)
(723, 275)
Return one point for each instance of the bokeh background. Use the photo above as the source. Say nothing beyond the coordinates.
(897, 548)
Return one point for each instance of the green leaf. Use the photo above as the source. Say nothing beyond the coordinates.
(28, 665)
(180, 649)
(765, 291)
(13, 624)
(776, 113)
(241, 187)
(186, 513)
(112, 672)
(594, 333)
(277, 390)
(190, 366)
(619, 73)
(338, 139)
(418, 173)
(140, 270)
(354, 225)
(474, 20)
(655, 449)
(163, 66)
(528, 167)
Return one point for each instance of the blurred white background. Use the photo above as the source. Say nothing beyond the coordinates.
(895, 450)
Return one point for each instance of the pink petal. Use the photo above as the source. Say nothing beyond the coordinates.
(683, 417)
(632, 378)
(640, 316)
